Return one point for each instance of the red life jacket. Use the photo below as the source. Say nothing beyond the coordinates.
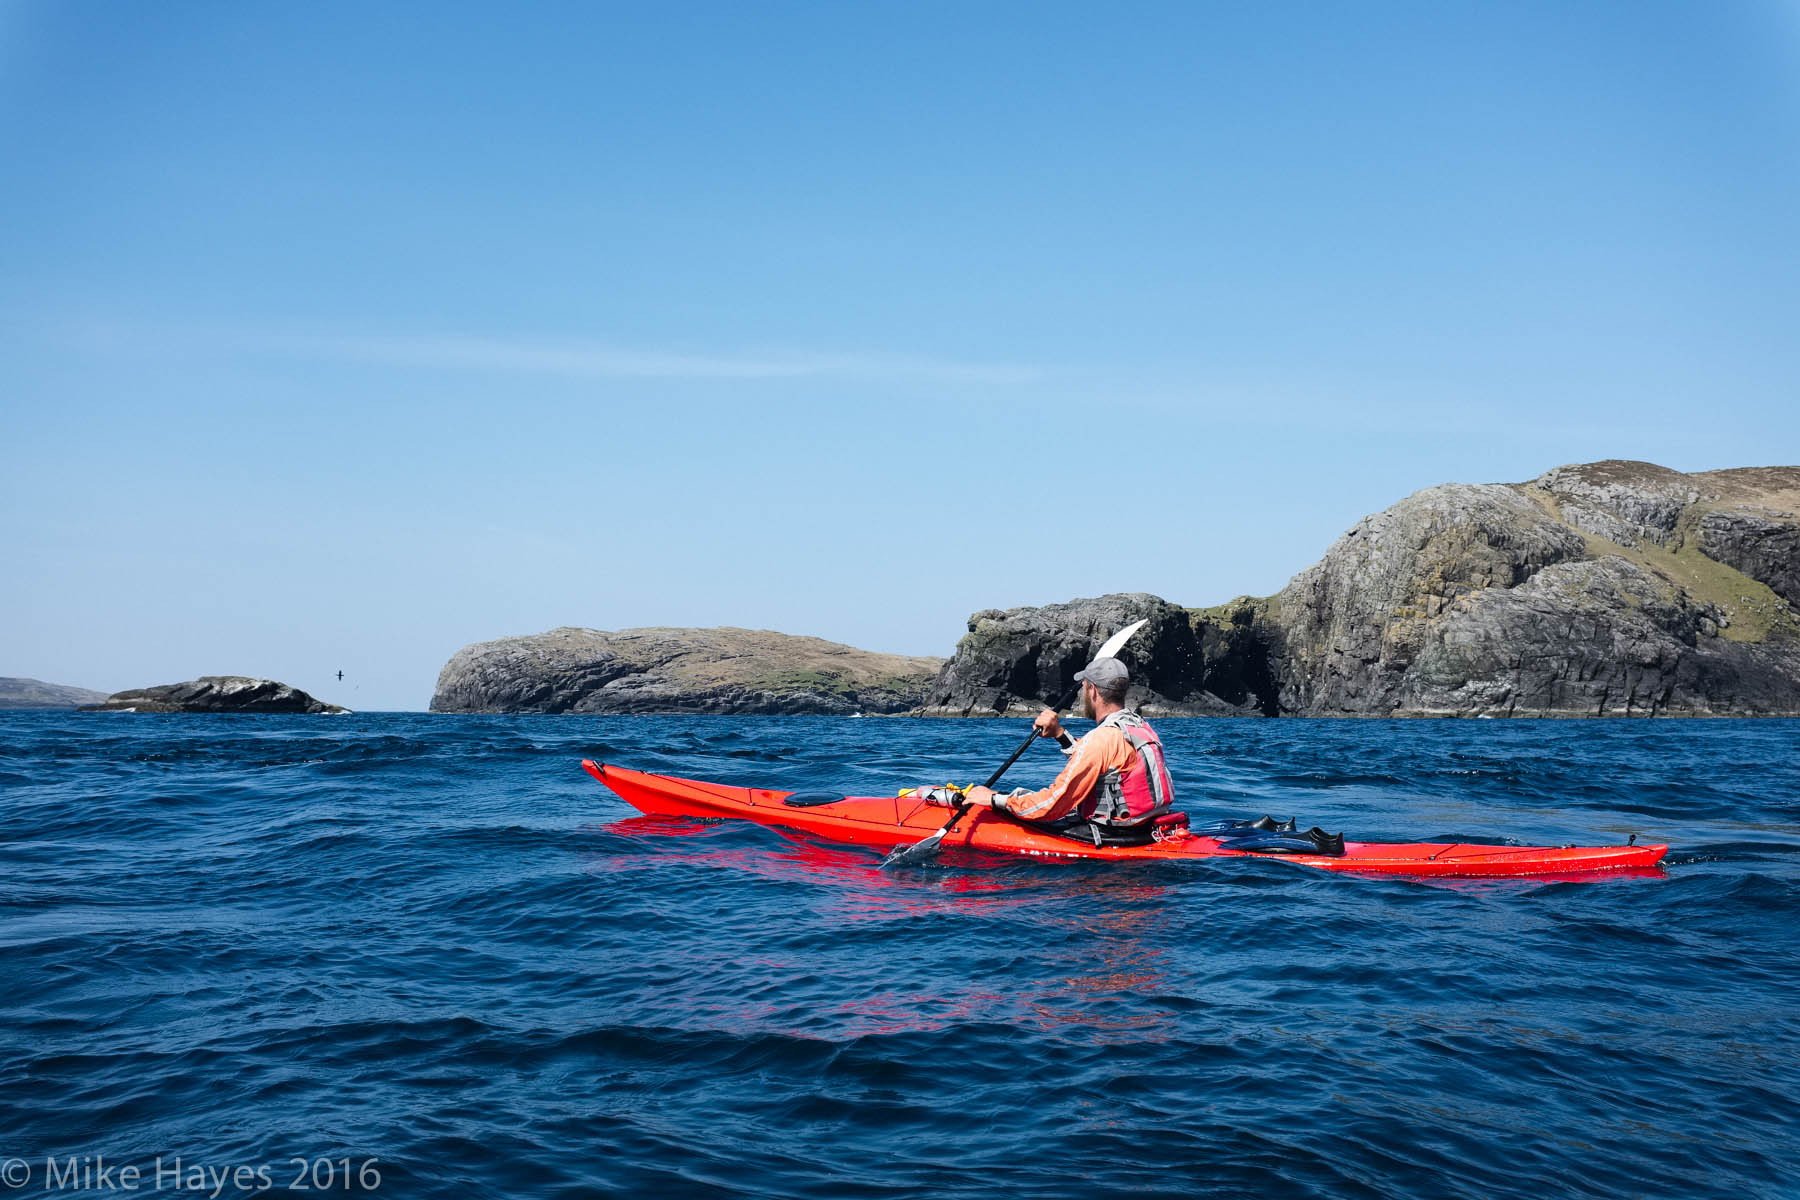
(1140, 792)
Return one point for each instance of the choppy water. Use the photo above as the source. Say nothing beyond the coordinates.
(270, 942)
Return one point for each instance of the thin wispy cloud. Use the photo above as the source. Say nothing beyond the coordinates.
(571, 358)
(596, 360)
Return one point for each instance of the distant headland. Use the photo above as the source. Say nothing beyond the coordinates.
(21, 693)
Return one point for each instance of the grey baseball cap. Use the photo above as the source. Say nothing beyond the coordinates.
(1109, 677)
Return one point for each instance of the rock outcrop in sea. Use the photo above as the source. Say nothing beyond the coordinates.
(21, 693)
(215, 694)
(723, 670)
(1603, 589)
(1182, 663)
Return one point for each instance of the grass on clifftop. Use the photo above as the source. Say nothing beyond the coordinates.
(1244, 611)
(1756, 613)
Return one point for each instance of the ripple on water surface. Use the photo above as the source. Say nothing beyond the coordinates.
(437, 942)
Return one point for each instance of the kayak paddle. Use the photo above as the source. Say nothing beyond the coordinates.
(904, 856)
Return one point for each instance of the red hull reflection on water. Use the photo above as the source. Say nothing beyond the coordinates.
(816, 859)
(1096, 918)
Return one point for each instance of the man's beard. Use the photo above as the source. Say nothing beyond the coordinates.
(1087, 706)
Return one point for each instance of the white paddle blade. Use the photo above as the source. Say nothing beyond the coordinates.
(1117, 641)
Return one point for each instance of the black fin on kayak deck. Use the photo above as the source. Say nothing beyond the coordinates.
(1313, 841)
(1270, 843)
(812, 799)
(1233, 828)
(1262, 824)
(1329, 844)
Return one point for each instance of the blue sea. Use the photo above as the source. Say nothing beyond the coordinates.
(423, 956)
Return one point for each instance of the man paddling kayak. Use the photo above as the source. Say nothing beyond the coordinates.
(1115, 784)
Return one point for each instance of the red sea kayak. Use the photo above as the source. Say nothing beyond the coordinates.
(888, 821)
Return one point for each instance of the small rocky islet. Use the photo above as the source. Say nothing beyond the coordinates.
(215, 694)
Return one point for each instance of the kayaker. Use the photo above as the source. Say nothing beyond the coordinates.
(1115, 783)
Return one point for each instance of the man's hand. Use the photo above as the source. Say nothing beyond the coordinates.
(1049, 724)
(980, 797)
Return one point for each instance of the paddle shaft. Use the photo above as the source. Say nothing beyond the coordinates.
(1029, 738)
(1025, 745)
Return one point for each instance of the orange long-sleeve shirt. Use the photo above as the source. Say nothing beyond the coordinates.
(1103, 749)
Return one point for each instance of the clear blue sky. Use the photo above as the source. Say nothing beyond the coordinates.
(342, 335)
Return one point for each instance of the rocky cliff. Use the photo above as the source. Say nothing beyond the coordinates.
(724, 670)
(1612, 588)
(215, 694)
(20, 693)
(1183, 663)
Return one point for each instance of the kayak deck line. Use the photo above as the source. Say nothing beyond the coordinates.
(884, 822)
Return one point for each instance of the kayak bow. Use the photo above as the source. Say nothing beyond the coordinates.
(888, 821)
